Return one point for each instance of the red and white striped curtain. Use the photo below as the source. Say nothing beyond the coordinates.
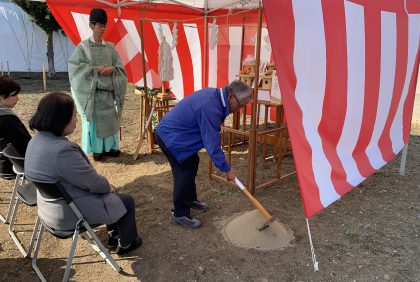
(347, 72)
(188, 56)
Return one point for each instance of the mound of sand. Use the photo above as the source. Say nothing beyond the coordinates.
(242, 231)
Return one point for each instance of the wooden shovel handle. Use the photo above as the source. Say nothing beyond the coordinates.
(254, 201)
(140, 144)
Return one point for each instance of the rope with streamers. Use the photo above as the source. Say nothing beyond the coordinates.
(175, 35)
(213, 37)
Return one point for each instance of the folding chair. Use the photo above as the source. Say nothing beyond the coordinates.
(9, 176)
(56, 191)
(23, 192)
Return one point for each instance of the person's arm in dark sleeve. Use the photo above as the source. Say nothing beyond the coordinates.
(17, 134)
(210, 134)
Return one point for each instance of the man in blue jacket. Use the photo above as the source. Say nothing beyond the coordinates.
(194, 123)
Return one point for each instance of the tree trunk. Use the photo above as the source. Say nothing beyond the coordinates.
(50, 55)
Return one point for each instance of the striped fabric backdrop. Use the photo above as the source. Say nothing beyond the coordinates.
(347, 72)
(123, 31)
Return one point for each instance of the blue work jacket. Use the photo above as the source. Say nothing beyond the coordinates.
(194, 123)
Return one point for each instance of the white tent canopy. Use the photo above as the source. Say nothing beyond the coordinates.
(23, 44)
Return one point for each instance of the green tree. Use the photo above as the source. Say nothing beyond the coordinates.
(41, 15)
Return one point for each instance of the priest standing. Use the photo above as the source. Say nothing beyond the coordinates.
(98, 84)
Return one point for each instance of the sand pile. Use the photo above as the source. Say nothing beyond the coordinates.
(242, 232)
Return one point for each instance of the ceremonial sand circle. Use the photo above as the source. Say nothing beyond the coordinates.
(242, 231)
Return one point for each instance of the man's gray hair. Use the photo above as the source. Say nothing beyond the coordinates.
(240, 89)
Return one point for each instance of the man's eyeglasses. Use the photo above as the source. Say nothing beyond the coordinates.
(237, 101)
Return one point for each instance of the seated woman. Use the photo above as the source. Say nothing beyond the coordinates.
(12, 129)
(52, 157)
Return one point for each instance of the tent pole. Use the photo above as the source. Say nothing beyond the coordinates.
(314, 261)
(403, 159)
(146, 100)
(252, 154)
(206, 31)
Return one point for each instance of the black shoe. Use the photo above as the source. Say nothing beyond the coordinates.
(113, 153)
(134, 245)
(112, 242)
(98, 156)
(186, 221)
(197, 205)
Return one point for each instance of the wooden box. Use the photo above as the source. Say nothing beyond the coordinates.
(247, 79)
(265, 82)
(249, 67)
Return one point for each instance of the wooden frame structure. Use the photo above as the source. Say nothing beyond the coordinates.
(277, 137)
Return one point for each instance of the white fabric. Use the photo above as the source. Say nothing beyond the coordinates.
(223, 98)
(355, 21)
(23, 44)
(310, 64)
(166, 67)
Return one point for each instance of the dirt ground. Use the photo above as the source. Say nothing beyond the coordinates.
(371, 234)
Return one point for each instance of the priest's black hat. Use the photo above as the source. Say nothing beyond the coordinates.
(98, 16)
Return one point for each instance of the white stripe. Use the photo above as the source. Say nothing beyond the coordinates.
(126, 49)
(149, 78)
(193, 40)
(265, 54)
(223, 98)
(177, 84)
(355, 30)
(413, 45)
(130, 26)
(235, 35)
(212, 66)
(310, 67)
(386, 85)
(82, 24)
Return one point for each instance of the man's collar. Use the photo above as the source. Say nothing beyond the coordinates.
(225, 100)
(91, 39)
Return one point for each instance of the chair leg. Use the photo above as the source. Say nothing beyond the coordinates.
(11, 231)
(94, 245)
(71, 255)
(35, 256)
(33, 238)
(103, 251)
(12, 199)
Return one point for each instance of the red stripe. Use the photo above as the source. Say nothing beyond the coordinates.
(335, 99)
(151, 46)
(281, 27)
(117, 32)
(409, 102)
(185, 60)
(65, 20)
(387, 5)
(134, 72)
(249, 50)
(249, 45)
(372, 79)
(385, 143)
(223, 47)
(204, 74)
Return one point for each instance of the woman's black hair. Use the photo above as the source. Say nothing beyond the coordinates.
(54, 112)
(8, 86)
